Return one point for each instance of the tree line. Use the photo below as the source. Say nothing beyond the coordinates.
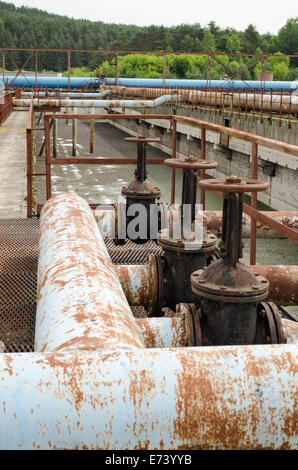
(31, 28)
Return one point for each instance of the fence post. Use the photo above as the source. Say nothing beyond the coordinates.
(254, 204)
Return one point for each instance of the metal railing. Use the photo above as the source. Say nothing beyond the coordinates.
(204, 126)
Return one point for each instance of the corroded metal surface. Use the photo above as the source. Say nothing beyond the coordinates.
(139, 283)
(166, 332)
(283, 283)
(68, 103)
(290, 330)
(187, 398)
(190, 163)
(234, 184)
(288, 219)
(80, 301)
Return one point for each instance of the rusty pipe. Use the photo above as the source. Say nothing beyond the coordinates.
(283, 283)
(287, 218)
(139, 285)
(80, 301)
(67, 95)
(93, 103)
(231, 397)
(107, 221)
(165, 332)
(247, 101)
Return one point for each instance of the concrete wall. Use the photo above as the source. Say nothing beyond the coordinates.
(277, 168)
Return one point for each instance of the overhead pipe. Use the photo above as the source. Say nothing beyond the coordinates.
(83, 82)
(80, 301)
(102, 94)
(31, 81)
(227, 85)
(48, 103)
(247, 101)
(231, 397)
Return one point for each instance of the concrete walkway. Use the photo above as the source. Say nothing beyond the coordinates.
(13, 166)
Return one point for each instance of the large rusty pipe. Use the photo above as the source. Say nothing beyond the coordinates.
(60, 103)
(231, 397)
(80, 301)
(107, 219)
(67, 95)
(245, 101)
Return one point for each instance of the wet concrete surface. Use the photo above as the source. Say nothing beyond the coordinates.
(13, 163)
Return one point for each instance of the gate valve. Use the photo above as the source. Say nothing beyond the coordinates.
(141, 191)
(183, 254)
(228, 290)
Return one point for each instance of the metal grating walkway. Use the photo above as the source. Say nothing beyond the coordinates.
(18, 278)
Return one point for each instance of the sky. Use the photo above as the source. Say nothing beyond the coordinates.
(266, 15)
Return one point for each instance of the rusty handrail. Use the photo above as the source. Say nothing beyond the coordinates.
(204, 126)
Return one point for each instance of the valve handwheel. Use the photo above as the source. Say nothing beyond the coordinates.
(234, 184)
(190, 163)
(142, 140)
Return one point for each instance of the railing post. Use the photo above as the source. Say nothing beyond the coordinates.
(202, 172)
(68, 69)
(164, 70)
(74, 134)
(29, 172)
(48, 157)
(174, 143)
(55, 126)
(254, 204)
(92, 126)
(3, 70)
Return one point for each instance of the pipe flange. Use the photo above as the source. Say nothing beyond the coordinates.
(156, 284)
(269, 324)
(193, 316)
(185, 246)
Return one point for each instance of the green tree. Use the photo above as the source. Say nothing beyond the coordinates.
(208, 42)
(287, 38)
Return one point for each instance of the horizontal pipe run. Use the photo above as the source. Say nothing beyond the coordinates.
(231, 397)
(80, 302)
(286, 218)
(166, 332)
(66, 94)
(82, 82)
(283, 283)
(60, 103)
(214, 222)
(246, 101)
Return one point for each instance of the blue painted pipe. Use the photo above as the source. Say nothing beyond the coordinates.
(81, 82)
(237, 85)
(51, 82)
